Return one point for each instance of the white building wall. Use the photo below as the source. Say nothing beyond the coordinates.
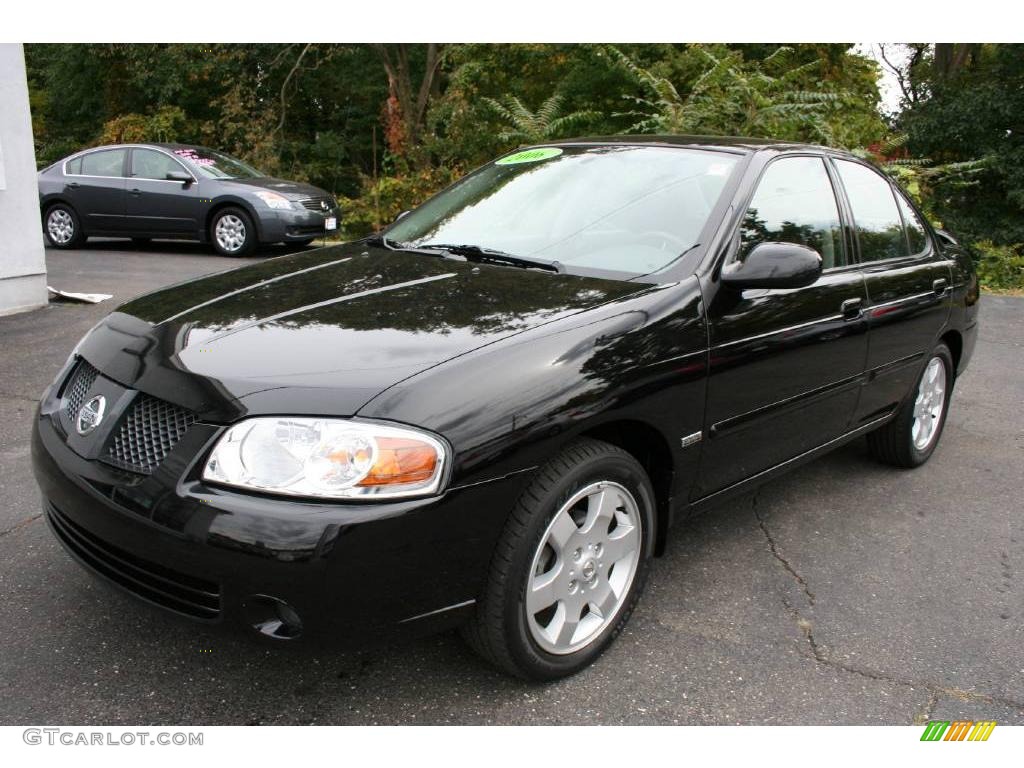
(22, 263)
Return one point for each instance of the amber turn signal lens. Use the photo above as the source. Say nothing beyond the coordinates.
(401, 461)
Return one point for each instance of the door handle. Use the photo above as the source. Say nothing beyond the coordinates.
(851, 309)
(73, 185)
(136, 192)
(939, 286)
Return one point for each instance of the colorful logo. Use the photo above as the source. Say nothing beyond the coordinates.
(958, 730)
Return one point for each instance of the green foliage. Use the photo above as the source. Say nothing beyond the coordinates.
(967, 114)
(1000, 267)
(777, 96)
(318, 112)
(166, 124)
(548, 122)
(380, 201)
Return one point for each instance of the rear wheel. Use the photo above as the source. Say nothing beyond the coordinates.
(62, 227)
(232, 232)
(910, 438)
(570, 565)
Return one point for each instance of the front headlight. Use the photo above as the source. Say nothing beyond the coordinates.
(274, 200)
(328, 458)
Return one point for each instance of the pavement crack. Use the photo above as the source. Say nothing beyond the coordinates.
(777, 554)
(935, 690)
(21, 524)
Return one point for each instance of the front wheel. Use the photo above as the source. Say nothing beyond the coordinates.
(570, 565)
(232, 232)
(910, 438)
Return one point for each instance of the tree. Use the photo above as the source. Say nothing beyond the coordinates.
(972, 112)
(776, 96)
(408, 101)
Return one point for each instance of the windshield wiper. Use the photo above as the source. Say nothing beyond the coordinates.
(380, 241)
(493, 256)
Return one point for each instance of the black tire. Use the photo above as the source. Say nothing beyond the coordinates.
(893, 443)
(499, 631)
(65, 214)
(248, 231)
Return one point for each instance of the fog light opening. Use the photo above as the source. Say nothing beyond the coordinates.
(272, 617)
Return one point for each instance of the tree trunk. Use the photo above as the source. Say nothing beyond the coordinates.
(412, 99)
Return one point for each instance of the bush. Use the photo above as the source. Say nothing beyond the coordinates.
(382, 200)
(166, 124)
(1000, 267)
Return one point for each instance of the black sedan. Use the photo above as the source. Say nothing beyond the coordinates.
(178, 191)
(491, 414)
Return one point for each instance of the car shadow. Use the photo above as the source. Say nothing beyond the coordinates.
(182, 247)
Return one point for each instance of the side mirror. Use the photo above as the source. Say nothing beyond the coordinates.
(945, 238)
(774, 265)
(181, 176)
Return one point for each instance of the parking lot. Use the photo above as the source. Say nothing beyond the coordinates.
(844, 593)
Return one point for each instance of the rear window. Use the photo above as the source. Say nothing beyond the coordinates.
(109, 162)
(878, 221)
(915, 229)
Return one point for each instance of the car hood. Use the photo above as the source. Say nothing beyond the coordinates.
(293, 190)
(334, 327)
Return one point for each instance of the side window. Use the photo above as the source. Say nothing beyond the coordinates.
(794, 203)
(109, 162)
(75, 166)
(150, 164)
(878, 221)
(915, 229)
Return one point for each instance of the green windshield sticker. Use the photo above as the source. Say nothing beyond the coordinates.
(530, 156)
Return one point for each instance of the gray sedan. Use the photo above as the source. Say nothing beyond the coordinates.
(142, 191)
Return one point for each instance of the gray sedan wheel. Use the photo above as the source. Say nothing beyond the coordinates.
(62, 227)
(232, 232)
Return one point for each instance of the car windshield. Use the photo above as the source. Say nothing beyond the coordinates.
(620, 209)
(217, 165)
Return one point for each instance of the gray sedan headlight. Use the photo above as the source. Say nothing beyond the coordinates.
(328, 458)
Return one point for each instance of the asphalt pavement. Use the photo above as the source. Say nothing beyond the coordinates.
(844, 593)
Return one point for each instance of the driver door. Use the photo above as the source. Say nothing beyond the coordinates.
(785, 364)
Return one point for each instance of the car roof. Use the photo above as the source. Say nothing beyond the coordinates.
(169, 146)
(728, 143)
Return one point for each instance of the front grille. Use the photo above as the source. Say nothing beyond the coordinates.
(79, 382)
(166, 587)
(316, 203)
(148, 432)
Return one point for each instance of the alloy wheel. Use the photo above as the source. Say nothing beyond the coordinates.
(931, 397)
(60, 226)
(583, 568)
(230, 232)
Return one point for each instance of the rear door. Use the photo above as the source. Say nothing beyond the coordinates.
(96, 190)
(908, 285)
(785, 364)
(158, 206)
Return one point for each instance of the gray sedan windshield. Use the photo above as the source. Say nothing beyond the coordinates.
(624, 209)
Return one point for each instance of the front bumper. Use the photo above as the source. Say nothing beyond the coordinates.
(349, 571)
(283, 226)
